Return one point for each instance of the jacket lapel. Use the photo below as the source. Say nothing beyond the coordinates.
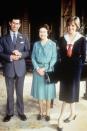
(19, 41)
(9, 42)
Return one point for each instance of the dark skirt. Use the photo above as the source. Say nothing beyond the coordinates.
(69, 86)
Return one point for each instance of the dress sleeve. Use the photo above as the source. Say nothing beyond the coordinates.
(33, 58)
(83, 50)
(54, 56)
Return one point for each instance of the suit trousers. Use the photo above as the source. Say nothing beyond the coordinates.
(16, 83)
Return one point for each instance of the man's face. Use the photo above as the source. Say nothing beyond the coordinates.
(15, 25)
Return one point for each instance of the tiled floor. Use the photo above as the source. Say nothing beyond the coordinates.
(31, 110)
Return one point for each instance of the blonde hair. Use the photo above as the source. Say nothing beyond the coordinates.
(74, 19)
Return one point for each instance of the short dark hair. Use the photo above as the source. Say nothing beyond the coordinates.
(14, 17)
(46, 26)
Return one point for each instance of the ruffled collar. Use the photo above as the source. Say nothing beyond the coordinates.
(74, 39)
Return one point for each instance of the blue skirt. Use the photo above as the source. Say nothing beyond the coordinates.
(40, 89)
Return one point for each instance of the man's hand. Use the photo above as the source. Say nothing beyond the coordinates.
(17, 53)
(14, 57)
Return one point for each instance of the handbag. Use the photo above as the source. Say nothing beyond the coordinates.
(56, 75)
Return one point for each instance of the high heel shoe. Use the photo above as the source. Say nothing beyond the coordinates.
(69, 120)
(60, 126)
(59, 129)
(39, 117)
(47, 118)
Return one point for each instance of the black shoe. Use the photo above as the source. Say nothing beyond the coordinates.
(39, 117)
(7, 118)
(85, 96)
(59, 129)
(67, 120)
(47, 118)
(22, 117)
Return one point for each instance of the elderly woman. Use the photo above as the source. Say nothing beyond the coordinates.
(44, 57)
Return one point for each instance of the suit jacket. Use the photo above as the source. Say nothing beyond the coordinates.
(12, 68)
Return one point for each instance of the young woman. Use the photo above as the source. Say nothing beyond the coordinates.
(72, 52)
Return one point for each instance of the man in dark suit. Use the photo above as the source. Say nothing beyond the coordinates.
(14, 48)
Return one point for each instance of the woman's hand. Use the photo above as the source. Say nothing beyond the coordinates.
(41, 71)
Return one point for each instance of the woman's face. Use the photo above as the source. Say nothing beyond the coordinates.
(71, 28)
(43, 33)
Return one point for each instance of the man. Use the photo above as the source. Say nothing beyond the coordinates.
(14, 48)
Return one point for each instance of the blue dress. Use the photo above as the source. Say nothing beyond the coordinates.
(43, 56)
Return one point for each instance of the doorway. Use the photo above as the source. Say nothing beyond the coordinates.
(38, 12)
(45, 12)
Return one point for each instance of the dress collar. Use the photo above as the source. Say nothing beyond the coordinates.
(74, 39)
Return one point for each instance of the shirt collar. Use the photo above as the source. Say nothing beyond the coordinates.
(11, 33)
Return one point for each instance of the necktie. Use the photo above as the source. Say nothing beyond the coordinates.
(14, 39)
(69, 50)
